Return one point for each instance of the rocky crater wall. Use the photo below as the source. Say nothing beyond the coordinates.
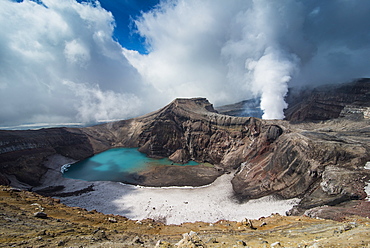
(302, 159)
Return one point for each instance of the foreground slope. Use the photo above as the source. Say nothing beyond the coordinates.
(62, 226)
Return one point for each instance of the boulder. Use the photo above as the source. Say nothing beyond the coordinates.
(40, 215)
(190, 240)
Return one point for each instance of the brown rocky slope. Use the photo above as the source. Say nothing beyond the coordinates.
(23, 225)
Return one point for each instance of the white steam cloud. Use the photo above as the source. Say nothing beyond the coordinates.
(270, 77)
(59, 62)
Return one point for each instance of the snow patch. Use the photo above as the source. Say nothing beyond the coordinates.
(177, 205)
(65, 167)
(367, 186)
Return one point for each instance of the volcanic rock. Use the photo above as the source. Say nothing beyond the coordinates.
(41, 215)
(190, 239)
(320, 162)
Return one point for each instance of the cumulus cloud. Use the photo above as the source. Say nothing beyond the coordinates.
(59, 61)
(186, 39)
(95, 104)
(43, 46)
(76, 53)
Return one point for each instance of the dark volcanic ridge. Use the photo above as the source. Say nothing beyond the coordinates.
(318, 154)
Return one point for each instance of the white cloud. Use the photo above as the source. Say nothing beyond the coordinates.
(94, 104)
(76, 53)
(43, 46)
(186, 40)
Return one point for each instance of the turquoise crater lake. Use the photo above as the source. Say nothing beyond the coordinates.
(117, 164)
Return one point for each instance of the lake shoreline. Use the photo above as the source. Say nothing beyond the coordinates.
(130, 166)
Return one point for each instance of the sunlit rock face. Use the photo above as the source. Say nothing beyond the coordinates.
(191, 129)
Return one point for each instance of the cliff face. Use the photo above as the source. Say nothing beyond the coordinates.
(190, 129)
(22, 153)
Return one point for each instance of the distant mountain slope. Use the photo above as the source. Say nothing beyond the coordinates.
(330, 101)
(247, 108)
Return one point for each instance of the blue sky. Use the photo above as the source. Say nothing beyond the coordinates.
(124, 12)
(64, 61)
